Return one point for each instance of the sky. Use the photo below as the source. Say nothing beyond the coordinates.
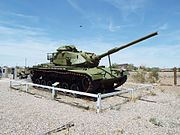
(29, 29)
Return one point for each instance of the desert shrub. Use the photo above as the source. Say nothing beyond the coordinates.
(114, 65)
(143, 76)
(140, 76)
(155, 121)
(155, 69)
(131, 67)
(9, 70)
(149, 69)
(152, 93)
(153, 76)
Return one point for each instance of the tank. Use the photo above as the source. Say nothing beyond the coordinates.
(78, 70)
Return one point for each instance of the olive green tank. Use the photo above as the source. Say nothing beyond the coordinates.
(78, 70)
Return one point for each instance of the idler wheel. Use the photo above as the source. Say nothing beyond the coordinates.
(121, 81)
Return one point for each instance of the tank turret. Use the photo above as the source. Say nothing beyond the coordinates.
(70, 56)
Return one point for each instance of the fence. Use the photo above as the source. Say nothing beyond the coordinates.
(176, 75)
(98, 96)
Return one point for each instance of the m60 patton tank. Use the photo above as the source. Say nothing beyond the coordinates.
(77, 70)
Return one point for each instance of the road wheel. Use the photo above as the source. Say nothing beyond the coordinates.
(37, 81)
(49, 83)
(85, 83)
(43, 82)
(65, 85)
(76, 88)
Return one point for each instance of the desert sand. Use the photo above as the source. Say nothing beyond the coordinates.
(155, 111)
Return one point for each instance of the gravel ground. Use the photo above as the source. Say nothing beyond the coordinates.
(26, 114)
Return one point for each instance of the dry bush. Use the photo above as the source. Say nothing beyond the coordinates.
(119, 131)
(153, 76)
(134, 99)
(140, 76)
(143, 76)
(155, 121)
(152, 93)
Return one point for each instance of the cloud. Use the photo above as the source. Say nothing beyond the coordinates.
(20, 30)
(20, 40)
(17, 26)
(23, 15)
(170, 37)
(164, 55)
(92, 18)
(17, 17)
(149, 53)
(163, 27)
(75, 6)
(35, 49)
(95, 20)
(113, 28)
(14, 53)
(129, 7)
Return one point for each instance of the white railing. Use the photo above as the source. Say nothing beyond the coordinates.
(53, 89)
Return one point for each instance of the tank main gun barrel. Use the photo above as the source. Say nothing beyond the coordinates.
(126, 45)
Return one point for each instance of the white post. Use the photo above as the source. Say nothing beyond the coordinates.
(21, 88)
(10, 84)
(98, 104)
(132, 94)
(53, 92)
(26, 87)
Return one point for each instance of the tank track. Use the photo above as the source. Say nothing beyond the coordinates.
(66, 79)
(75, 81)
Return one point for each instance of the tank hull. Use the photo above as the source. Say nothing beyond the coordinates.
(91, 80)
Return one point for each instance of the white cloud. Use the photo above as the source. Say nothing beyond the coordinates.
(23, 15)
(90, 16)
(23, 30)
(157, 55)
(129, 7)
(113, 28)
(35, 49)
(15, 26)
(96, 20)
(18, 40)
(14, 16)
(14, 53)
(163, 27)
(75, 6)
